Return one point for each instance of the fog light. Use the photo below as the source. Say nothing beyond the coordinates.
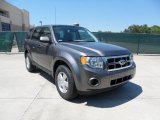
(93, 82)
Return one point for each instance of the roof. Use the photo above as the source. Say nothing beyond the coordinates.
(57, 25)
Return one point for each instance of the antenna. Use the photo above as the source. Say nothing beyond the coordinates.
(40, 22)
(55, 15)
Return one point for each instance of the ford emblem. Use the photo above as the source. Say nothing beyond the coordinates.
(122, 62)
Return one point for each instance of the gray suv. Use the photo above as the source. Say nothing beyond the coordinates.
(77, 61)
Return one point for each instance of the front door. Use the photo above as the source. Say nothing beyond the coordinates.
(45, 49)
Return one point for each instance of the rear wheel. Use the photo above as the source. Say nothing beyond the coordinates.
(65, 83)
(30, 67)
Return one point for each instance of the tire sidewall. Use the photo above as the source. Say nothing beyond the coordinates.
(31, 67)
(71, 92)
(27, 56)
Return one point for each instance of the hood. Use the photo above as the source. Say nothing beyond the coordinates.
(96, 48)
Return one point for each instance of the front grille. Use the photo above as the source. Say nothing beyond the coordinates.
(120, 80)
(118, 62)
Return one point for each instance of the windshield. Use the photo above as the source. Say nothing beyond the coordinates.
(73, 34)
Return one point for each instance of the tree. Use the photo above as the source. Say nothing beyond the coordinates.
(138, 29)
(155, 29)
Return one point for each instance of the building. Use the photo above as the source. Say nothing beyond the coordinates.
(13, 18)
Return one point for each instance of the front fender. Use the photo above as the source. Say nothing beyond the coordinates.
(72, 63)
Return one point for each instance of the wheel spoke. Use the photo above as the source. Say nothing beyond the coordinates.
(62, 82)
(64, 88)
(65, 84)
(60, 77)
(64, 77)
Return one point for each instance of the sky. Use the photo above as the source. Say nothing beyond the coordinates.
(104, 15)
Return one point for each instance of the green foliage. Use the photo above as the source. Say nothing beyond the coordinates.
(155, 29)
(143, 29)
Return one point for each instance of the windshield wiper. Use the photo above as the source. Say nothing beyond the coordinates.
(83, 41)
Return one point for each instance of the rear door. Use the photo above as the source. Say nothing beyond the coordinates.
(34, 44)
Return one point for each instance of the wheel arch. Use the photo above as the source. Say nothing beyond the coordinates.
(71, 64)
(25, 53)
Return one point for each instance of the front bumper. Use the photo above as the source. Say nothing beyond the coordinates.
(106, 78)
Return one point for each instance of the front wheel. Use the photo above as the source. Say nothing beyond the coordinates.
(65, 83)
(30, 67)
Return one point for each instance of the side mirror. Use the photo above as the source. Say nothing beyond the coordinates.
(44, 39)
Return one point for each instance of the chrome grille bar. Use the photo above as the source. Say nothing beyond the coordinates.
(118, 62)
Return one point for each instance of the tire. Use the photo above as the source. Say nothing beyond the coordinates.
(64, 78)
(30, 67)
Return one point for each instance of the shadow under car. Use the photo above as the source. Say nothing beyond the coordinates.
(107, 99)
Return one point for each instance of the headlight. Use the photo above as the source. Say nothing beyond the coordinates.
(131, 57)
(93, 62)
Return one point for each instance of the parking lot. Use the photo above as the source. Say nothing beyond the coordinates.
(33, 96)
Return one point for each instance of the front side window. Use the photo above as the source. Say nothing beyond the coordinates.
(41, 32)
(46, 32)
(73, 34)
(36, 34)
